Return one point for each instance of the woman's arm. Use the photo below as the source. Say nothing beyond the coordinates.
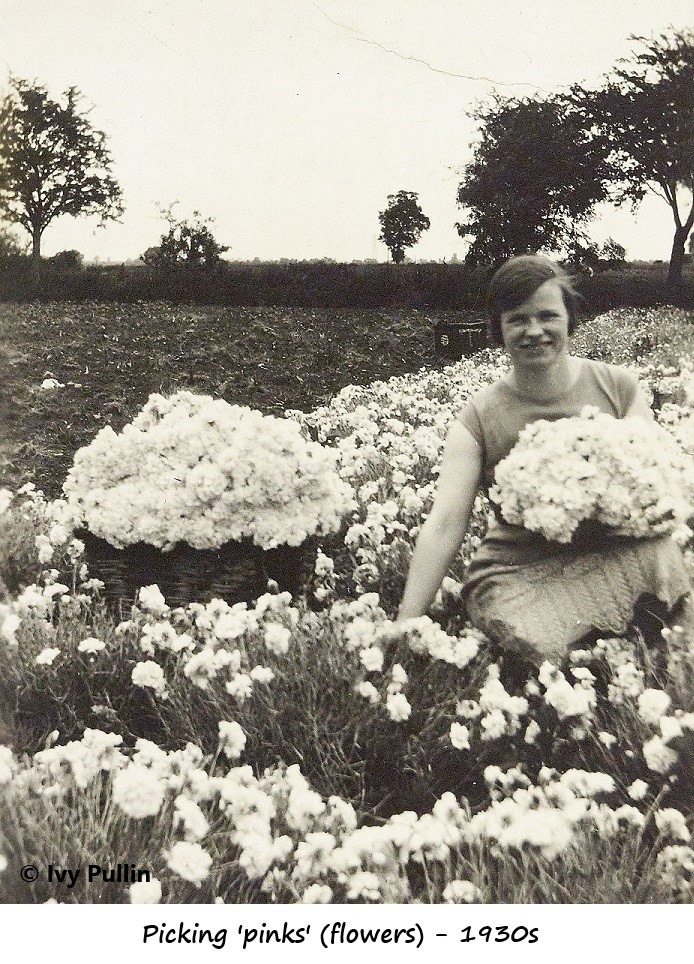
(443, 532)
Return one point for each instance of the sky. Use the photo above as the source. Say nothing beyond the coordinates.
(291, 121)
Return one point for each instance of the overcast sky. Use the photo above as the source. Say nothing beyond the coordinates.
(291, 121)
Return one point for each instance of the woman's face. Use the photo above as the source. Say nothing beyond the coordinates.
(536, 333)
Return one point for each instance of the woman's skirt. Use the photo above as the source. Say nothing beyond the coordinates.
(540, 609)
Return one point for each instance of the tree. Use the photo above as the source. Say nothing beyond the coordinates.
(402, 223)
(534, 180)
(52, 162)
(187, 244)
(646, 111)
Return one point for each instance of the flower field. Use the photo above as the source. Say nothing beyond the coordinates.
(305, 749)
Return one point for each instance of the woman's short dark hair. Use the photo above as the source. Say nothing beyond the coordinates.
(519, 278)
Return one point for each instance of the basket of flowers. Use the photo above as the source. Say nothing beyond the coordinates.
(205, 499)
(584, 479)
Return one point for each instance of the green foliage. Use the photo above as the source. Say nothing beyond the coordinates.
(402, 223)
(188, 244)
(534, 181)
(52, 161)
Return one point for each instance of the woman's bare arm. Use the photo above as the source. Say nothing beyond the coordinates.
(443, 532)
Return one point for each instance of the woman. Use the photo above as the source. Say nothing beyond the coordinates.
(533, 596)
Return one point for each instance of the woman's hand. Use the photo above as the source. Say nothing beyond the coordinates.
(443, 532)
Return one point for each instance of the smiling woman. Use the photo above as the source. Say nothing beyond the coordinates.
(535, 596)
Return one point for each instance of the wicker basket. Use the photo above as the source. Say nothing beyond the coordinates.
(235, 572)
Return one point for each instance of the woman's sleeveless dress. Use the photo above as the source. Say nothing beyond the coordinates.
(539, 597)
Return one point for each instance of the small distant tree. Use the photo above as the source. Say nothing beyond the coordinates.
(187, 244)
(402, 223)
(52, 162)
(613, 253)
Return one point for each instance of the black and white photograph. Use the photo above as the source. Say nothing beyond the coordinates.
(347, 463)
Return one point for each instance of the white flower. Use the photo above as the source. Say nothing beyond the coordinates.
(460, 736)
(188, 813)
(234, 623)
(676, 866)
(567, 700)
(493, 725)
(532, 732)
(629, 816)
(371, 659)
(240, 687)
(45, 548)
(55, 589)
(4, 863)
(197, 470)
(364, 885)
(585, 783)
(627, 474)
(368, 691)
(277, 638)
(9, 624)
(637, 790)
(262, 674)
(317, 894)
(138, 791)
(47, 656)
(189, 861)
(658, 756)
(149, 674)
(91, 645)
(468, 709)
(672, 823)
(151, 599)
(462, 892)
(232, 739)
(145, 892)
(547, 829)
(653, 704)
(398, 707)
(671, 727)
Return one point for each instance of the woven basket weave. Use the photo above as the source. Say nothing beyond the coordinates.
(235, 572)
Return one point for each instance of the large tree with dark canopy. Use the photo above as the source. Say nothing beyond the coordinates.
(534, 180)
(52, 161)
(646, 111)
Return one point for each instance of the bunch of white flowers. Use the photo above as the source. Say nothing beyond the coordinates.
(627, 474)
(197, 470)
